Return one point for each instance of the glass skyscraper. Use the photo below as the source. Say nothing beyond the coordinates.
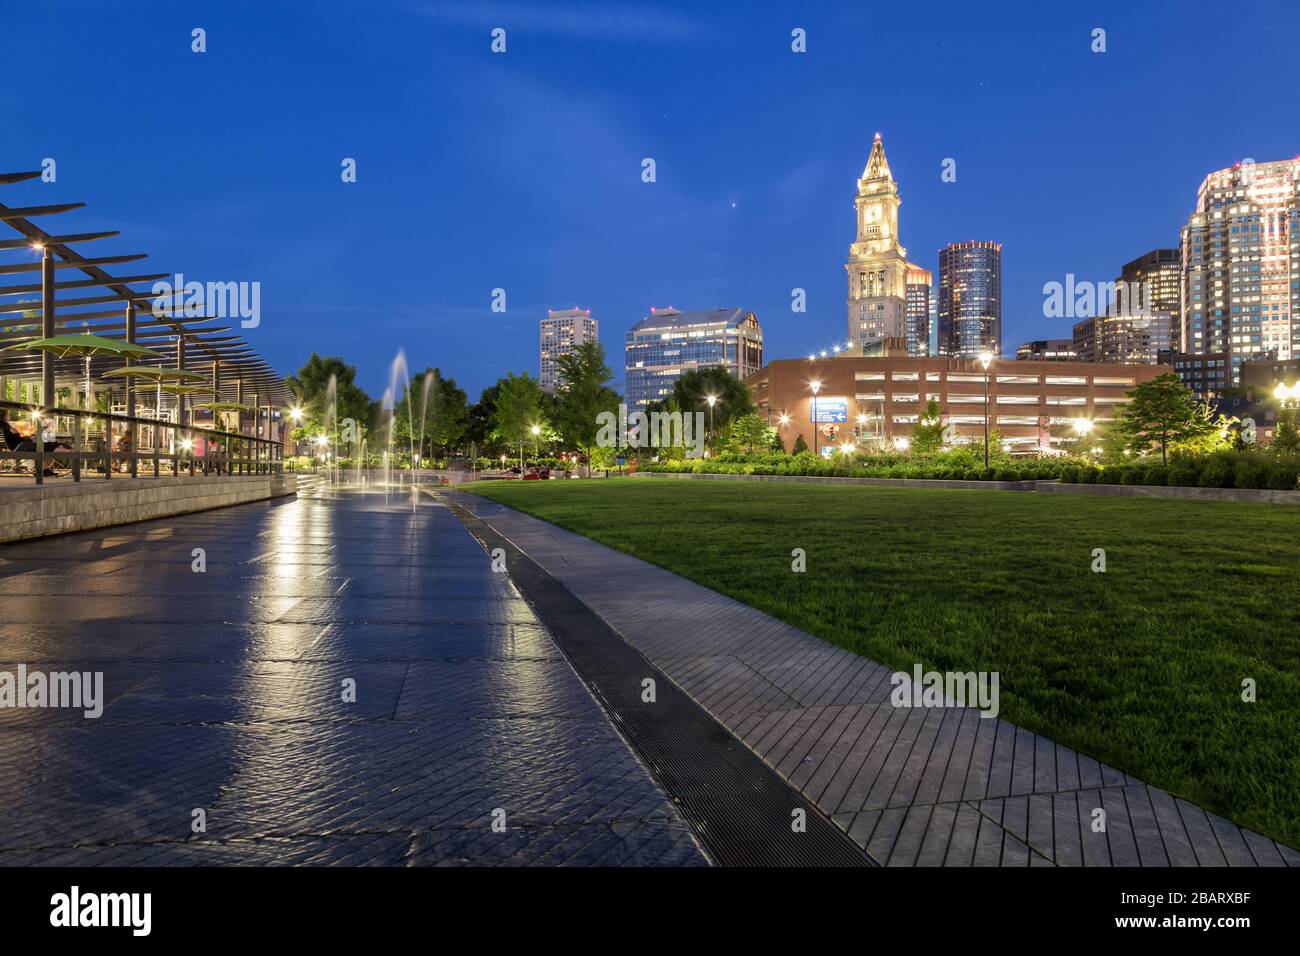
(970, 299)
(667, 343)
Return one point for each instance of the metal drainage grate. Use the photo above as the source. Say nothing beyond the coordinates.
(740, 808)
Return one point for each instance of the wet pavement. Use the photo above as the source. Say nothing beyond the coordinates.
(347, 682)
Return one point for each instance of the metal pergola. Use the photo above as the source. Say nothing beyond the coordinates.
(53, 289)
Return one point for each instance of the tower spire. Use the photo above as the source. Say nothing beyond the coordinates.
(877, 165)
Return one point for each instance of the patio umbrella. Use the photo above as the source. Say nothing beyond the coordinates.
(218, 407)
(173, 376)
(173, 388)
(86, 345)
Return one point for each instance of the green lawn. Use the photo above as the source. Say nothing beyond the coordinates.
(1140, 667)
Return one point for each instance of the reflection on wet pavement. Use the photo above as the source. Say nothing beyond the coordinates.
(226, 692)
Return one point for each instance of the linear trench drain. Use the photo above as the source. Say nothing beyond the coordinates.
(742, 811)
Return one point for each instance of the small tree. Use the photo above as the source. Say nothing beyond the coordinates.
(1163, 412)
(583, 395)
(518, 409)
(927, 434)
(799, 445)
(749, 432)
(1286, 440)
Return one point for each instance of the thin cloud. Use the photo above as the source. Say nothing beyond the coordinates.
(581, 21)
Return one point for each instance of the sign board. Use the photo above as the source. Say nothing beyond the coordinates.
(829, 408)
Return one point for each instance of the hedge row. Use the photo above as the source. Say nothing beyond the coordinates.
(1026, 470)
(1219, 470)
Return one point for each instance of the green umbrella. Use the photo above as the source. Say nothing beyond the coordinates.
(173, 388)
(156, 373)
(86, 345)
(218, 407)
(174, 376)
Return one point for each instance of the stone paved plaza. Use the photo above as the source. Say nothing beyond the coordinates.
(913, 787)
(223, 693)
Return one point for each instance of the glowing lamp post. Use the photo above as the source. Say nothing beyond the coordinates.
(535, 430)
(816, 387)
(712, 400)
(986, 359)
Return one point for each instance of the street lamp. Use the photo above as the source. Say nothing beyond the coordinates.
(1287, 397)
(816, 387)
(986, 359)
(536, 430)
(712, 400)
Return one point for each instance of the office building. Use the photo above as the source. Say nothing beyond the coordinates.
(562, 332)
(1207, 375)
(970, 299)
(1047, 350)
(1158, 275)
(918, 310)
(1124, 338)
(667, 343)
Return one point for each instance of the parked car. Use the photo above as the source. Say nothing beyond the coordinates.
(538, 473)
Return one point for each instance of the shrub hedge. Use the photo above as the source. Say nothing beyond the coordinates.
(1225, 469)
(960, 465)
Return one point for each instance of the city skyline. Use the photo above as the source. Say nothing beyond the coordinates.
(749, 202)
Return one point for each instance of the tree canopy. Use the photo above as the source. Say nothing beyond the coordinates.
(518, 407)
(583, 394)
(1163, 413)
(311, 388)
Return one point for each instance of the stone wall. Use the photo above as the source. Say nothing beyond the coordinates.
(32, 512)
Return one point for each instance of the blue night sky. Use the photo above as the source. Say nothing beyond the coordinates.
(522, 170)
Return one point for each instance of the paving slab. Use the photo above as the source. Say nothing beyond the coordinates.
(912, 787)
(224, 698)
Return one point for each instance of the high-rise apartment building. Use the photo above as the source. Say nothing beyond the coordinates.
(970, 299)
(918, 311)
(877, 263)
(1240, 290)
(562, 332)
(667, 343)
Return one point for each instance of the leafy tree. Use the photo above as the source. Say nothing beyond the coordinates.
(1164, 413)
(582, 395)
(1286, 440)
(311, 388)
(732, 396)
(799, 445)
(927, 434)
(749, 432)
(479, 425)
(518, 408)
(445, 413)
(1113, 442)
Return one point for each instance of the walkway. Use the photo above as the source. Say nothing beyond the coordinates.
(914, 787)
(224, 702)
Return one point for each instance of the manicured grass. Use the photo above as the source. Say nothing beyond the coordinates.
(1140, 667)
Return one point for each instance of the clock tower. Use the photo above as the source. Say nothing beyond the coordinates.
(877, 264)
